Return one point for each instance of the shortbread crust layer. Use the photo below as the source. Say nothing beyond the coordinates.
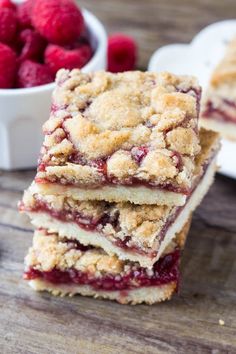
(150, 295)
(65, 267)
(132, 130)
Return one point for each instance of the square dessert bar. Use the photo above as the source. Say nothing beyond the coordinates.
(219, 107)
(121, 137)
(138, 233)
(65, 267)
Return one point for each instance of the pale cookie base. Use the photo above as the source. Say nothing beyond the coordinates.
(73, 231)
(136, 195)
(226, 129)
(148, 295)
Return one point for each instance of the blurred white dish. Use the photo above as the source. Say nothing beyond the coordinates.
(23, 111)
(199, 58)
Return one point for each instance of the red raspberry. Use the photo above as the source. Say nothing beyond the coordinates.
(57, 57)
(33, 45)
(8, 4)
(7, 66)
(32, 74)
(24, 11)
(122, 52)
(59, 21)
(8, 24)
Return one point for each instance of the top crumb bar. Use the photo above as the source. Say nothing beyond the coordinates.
(130, 136)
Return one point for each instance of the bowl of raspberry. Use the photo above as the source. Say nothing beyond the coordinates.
(37, 38)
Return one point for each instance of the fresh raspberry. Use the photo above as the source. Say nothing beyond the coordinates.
(8, 4)
(59, 21)
(57, 57)
(7, 66)
(8, 24)
(32, 74)
(24, 11)
(122, 52)
(33, 45)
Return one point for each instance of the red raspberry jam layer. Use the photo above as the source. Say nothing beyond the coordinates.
(226, 114)
(164, 271)
(101, 165)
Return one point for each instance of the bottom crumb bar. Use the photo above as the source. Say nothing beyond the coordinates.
(65, 267)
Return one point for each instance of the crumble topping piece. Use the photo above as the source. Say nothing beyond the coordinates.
(49, 252)
(101, 119)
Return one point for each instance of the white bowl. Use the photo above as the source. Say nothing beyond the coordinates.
(199, 58)
(23, 111)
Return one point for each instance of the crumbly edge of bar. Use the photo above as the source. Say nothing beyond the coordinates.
(148, 295)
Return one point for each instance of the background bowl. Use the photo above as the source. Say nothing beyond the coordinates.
(23, 111)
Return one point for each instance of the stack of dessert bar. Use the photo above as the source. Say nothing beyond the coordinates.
(122, 168)
(219, 106)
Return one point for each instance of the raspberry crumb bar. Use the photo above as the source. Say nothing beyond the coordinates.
(65, 267)
(219, 108)
(138, 233)
(122, 168)
(121, 137)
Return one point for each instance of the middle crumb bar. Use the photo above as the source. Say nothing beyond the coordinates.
(138, 233)
(121, 137)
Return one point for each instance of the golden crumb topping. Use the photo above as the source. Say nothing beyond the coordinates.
(104, 116)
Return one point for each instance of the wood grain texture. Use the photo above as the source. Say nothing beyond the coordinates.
(40, 324)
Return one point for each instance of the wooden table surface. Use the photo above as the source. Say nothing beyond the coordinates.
(40, 324)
